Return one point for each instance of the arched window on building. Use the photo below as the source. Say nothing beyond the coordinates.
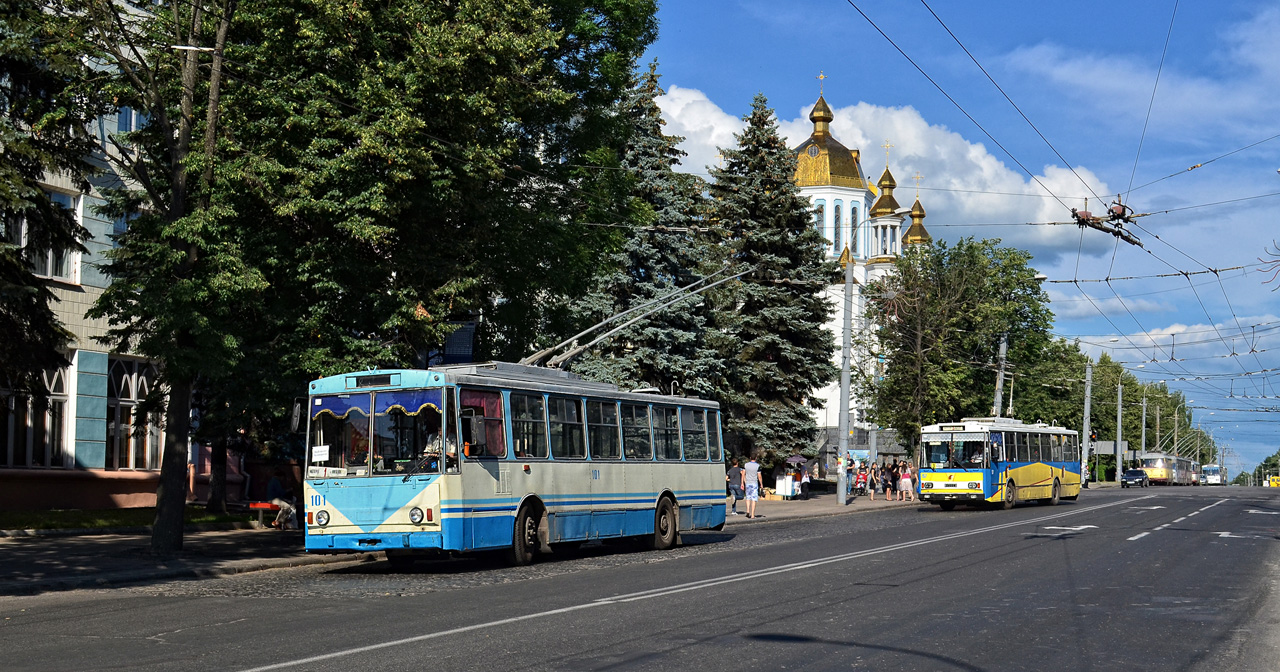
(820, 216)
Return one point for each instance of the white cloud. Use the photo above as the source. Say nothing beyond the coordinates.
(965, 189)
(703, 125)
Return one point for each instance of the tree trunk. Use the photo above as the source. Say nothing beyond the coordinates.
(171, 495)
(218, 477)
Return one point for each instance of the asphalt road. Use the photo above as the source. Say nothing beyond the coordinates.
(1137, 579)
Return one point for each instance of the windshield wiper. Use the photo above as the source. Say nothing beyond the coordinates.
(418, 467)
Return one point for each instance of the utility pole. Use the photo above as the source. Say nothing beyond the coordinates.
(1088, 397)
(1144, 423)
(1119, 424)
(1158, 450)
(1004, 348)
(846, 345)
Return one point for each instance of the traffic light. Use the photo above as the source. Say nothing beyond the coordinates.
(1093, 435)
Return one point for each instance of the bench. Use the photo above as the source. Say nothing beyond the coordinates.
(262, 508)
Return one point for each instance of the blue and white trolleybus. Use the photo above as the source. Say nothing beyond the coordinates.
(504, 456)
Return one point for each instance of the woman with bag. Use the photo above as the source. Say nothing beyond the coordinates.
(904, 485)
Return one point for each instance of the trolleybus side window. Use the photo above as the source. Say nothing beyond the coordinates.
(602, 430)
(693, 427)
(564, 417)
(407, 428)
(528, 425)
(451, 442)
(483, 434)
(713, 425)
(341, 422)
(636, 441)
(1024, 446)
(997, 447)
(1057, 447)
(666, 433)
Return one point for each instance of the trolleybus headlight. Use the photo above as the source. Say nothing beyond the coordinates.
(973, 486)
(926, 485)
(322, 518)
(415, 515)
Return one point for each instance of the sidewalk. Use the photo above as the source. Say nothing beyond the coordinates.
(50, 562)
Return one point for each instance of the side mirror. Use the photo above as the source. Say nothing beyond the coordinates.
(295, 418)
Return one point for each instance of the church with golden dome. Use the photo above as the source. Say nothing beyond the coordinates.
(857, 218)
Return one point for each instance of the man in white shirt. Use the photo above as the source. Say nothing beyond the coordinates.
(751, 479)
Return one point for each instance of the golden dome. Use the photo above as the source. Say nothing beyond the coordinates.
(821, 160)
(916, 233)
(886, 204)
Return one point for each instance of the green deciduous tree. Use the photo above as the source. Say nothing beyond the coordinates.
(940, 315)
(777, 351)
(47, 102)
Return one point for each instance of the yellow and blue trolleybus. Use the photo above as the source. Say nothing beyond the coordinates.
(503, 456)
(997, 461)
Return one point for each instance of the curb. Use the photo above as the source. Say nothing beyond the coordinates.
(125, 577)
(141, 530)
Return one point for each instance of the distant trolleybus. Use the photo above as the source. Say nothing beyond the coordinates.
(1165, 469)
(504, 456)
(997, 461)
(1213, 474)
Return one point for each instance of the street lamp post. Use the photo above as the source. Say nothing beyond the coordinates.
(846, 346)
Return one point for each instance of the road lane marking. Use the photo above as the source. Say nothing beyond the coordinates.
(1147, 508)
(1180, 519)
(1206, 508)
(680, 588)
(1228, 535)
(1138, 536)
(1265, 513)
(1077, 528)
(1193, 513)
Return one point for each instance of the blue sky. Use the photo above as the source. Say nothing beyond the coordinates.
(1084, 74)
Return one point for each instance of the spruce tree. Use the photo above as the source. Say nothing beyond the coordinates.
(778, 354)
(670, 349)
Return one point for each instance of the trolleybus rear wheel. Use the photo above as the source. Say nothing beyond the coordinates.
(664, 526)
(524, 542)
(1010, 495)
(1053, 501)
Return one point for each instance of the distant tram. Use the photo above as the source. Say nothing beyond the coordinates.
(998, 461)
(1165, 469)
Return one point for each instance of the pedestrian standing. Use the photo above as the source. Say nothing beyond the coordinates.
(891, 480)
(905, 491)
(804, 484)
(752, 483)
(734, 478)
(873, 481)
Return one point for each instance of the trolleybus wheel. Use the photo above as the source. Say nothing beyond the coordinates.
(524, 542)
(1053, 501)
(1010, 495)
(947, 506)
(664, 526)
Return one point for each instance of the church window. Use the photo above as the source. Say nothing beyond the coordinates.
(839, 224)
(820, 216)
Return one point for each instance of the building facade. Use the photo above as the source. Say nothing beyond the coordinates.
(864, 221)
(85, 446)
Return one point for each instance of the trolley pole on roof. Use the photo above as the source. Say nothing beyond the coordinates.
(846, 345)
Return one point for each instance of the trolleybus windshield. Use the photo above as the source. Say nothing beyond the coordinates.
(957, 450)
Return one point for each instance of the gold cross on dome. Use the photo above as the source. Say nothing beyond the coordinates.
(822, 77)
(917, 177)
(887, 146)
